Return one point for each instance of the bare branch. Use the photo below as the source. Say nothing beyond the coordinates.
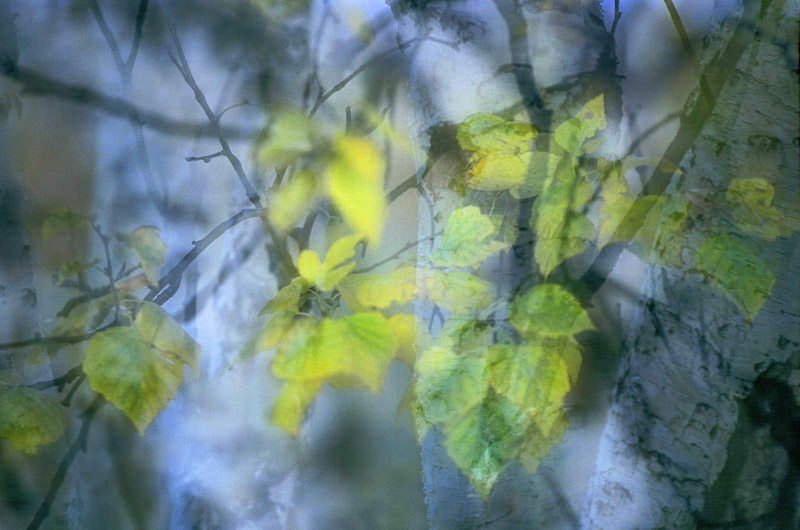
(59, 382)
(396, 254)
(206, 158)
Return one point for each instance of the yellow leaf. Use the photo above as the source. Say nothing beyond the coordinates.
(379, 290)
(146, 242)
(326, 274)
(30, 420)
(355, 185)
(292, 200)
(157, 327)
(292, 403)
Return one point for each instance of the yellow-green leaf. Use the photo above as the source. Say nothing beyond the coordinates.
(60, 221)
(355, 185)
(292, 403)
(735, 270)
(326, 274)
(86, 316)
(146, 242)
(270, 335)
(30, 420)
(457, 291)
(661, 236)
(497, 171)
(484, 439)
(449, 384)
(289, 136)
(486, 133)
(752, 210)
(379, 290)
(532, 378)
(132, 374)
(548, 310)
(68, 269)
(157, 327)
(407, 332)
(292, 200)
(288, 298)
(360, 346)
(575, 131)
(537, 164)
(468, 239)
(536, 445)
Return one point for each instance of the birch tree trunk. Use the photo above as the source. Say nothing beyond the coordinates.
(679, 449)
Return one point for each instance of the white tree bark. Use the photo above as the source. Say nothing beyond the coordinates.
(691, 358)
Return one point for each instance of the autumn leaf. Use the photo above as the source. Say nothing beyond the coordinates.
(468, 239)
(146, 242)
(548, 310)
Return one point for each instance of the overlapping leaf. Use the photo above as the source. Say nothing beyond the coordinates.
(156, 327)
(146, 242)
(292, 200)
(469, 238)
(572, 133)
(736, 270)
(448, 384)
(289, 136)
(29, 419)
(548, 310)
(326, 274)
(753, 211)
(366, 290)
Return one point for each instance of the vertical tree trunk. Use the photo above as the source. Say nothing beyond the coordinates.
(691, 357)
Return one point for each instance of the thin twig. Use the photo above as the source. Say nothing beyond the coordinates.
(61, 473)
(36, 84)
(206, 158)
(617, 16)
(67, 401)
(395, 255)
(59, 382)
(57, 339)
(188, 77)
(705, 90)
(109, 270)
(652, 129)
(169, 283)
(137, 36)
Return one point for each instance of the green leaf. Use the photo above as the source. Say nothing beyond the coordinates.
(575, 131)
(752, 210)
(288, 298)
(293, 401)
(326, 274)
(487, 132)
(561, 231)
(536, 445)
(157, 327)
(617, 201)
(60, 221)
(30, 420)
(449, 384)
(537, 164)
(661, 237)
(359, 346)
(532, 378)
(465, 335)
(548, 310)
(355, 185)
(457, 291)
(735, 270)
(380, 291)
(468, 239)
(483, 440)
(146, 242)
(270, 336)
(292, 200)
(289, 136)
(68, 269)
(133, 375)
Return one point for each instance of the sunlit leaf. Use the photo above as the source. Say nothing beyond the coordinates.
(360, 346)
(289, 136)
(86, 316)
(29, 419)
(132, 374)
(292, 200)
(61, 221)
(326, 274)
(468, 239)
(465, 335)
(569, 240)
(449, 384)
(575, 131)
(292, 403)
(617, 201)
(497, 171)
(270, 336)
(146, 242)
(407, 332)
(379, 290)
(157, 327)
(548, 310)
(736, 270)
(355, 185)
(484, 439)
(531, 377)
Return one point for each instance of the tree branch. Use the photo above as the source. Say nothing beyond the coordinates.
(61, 473)
(59, 382)
(396, 254)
